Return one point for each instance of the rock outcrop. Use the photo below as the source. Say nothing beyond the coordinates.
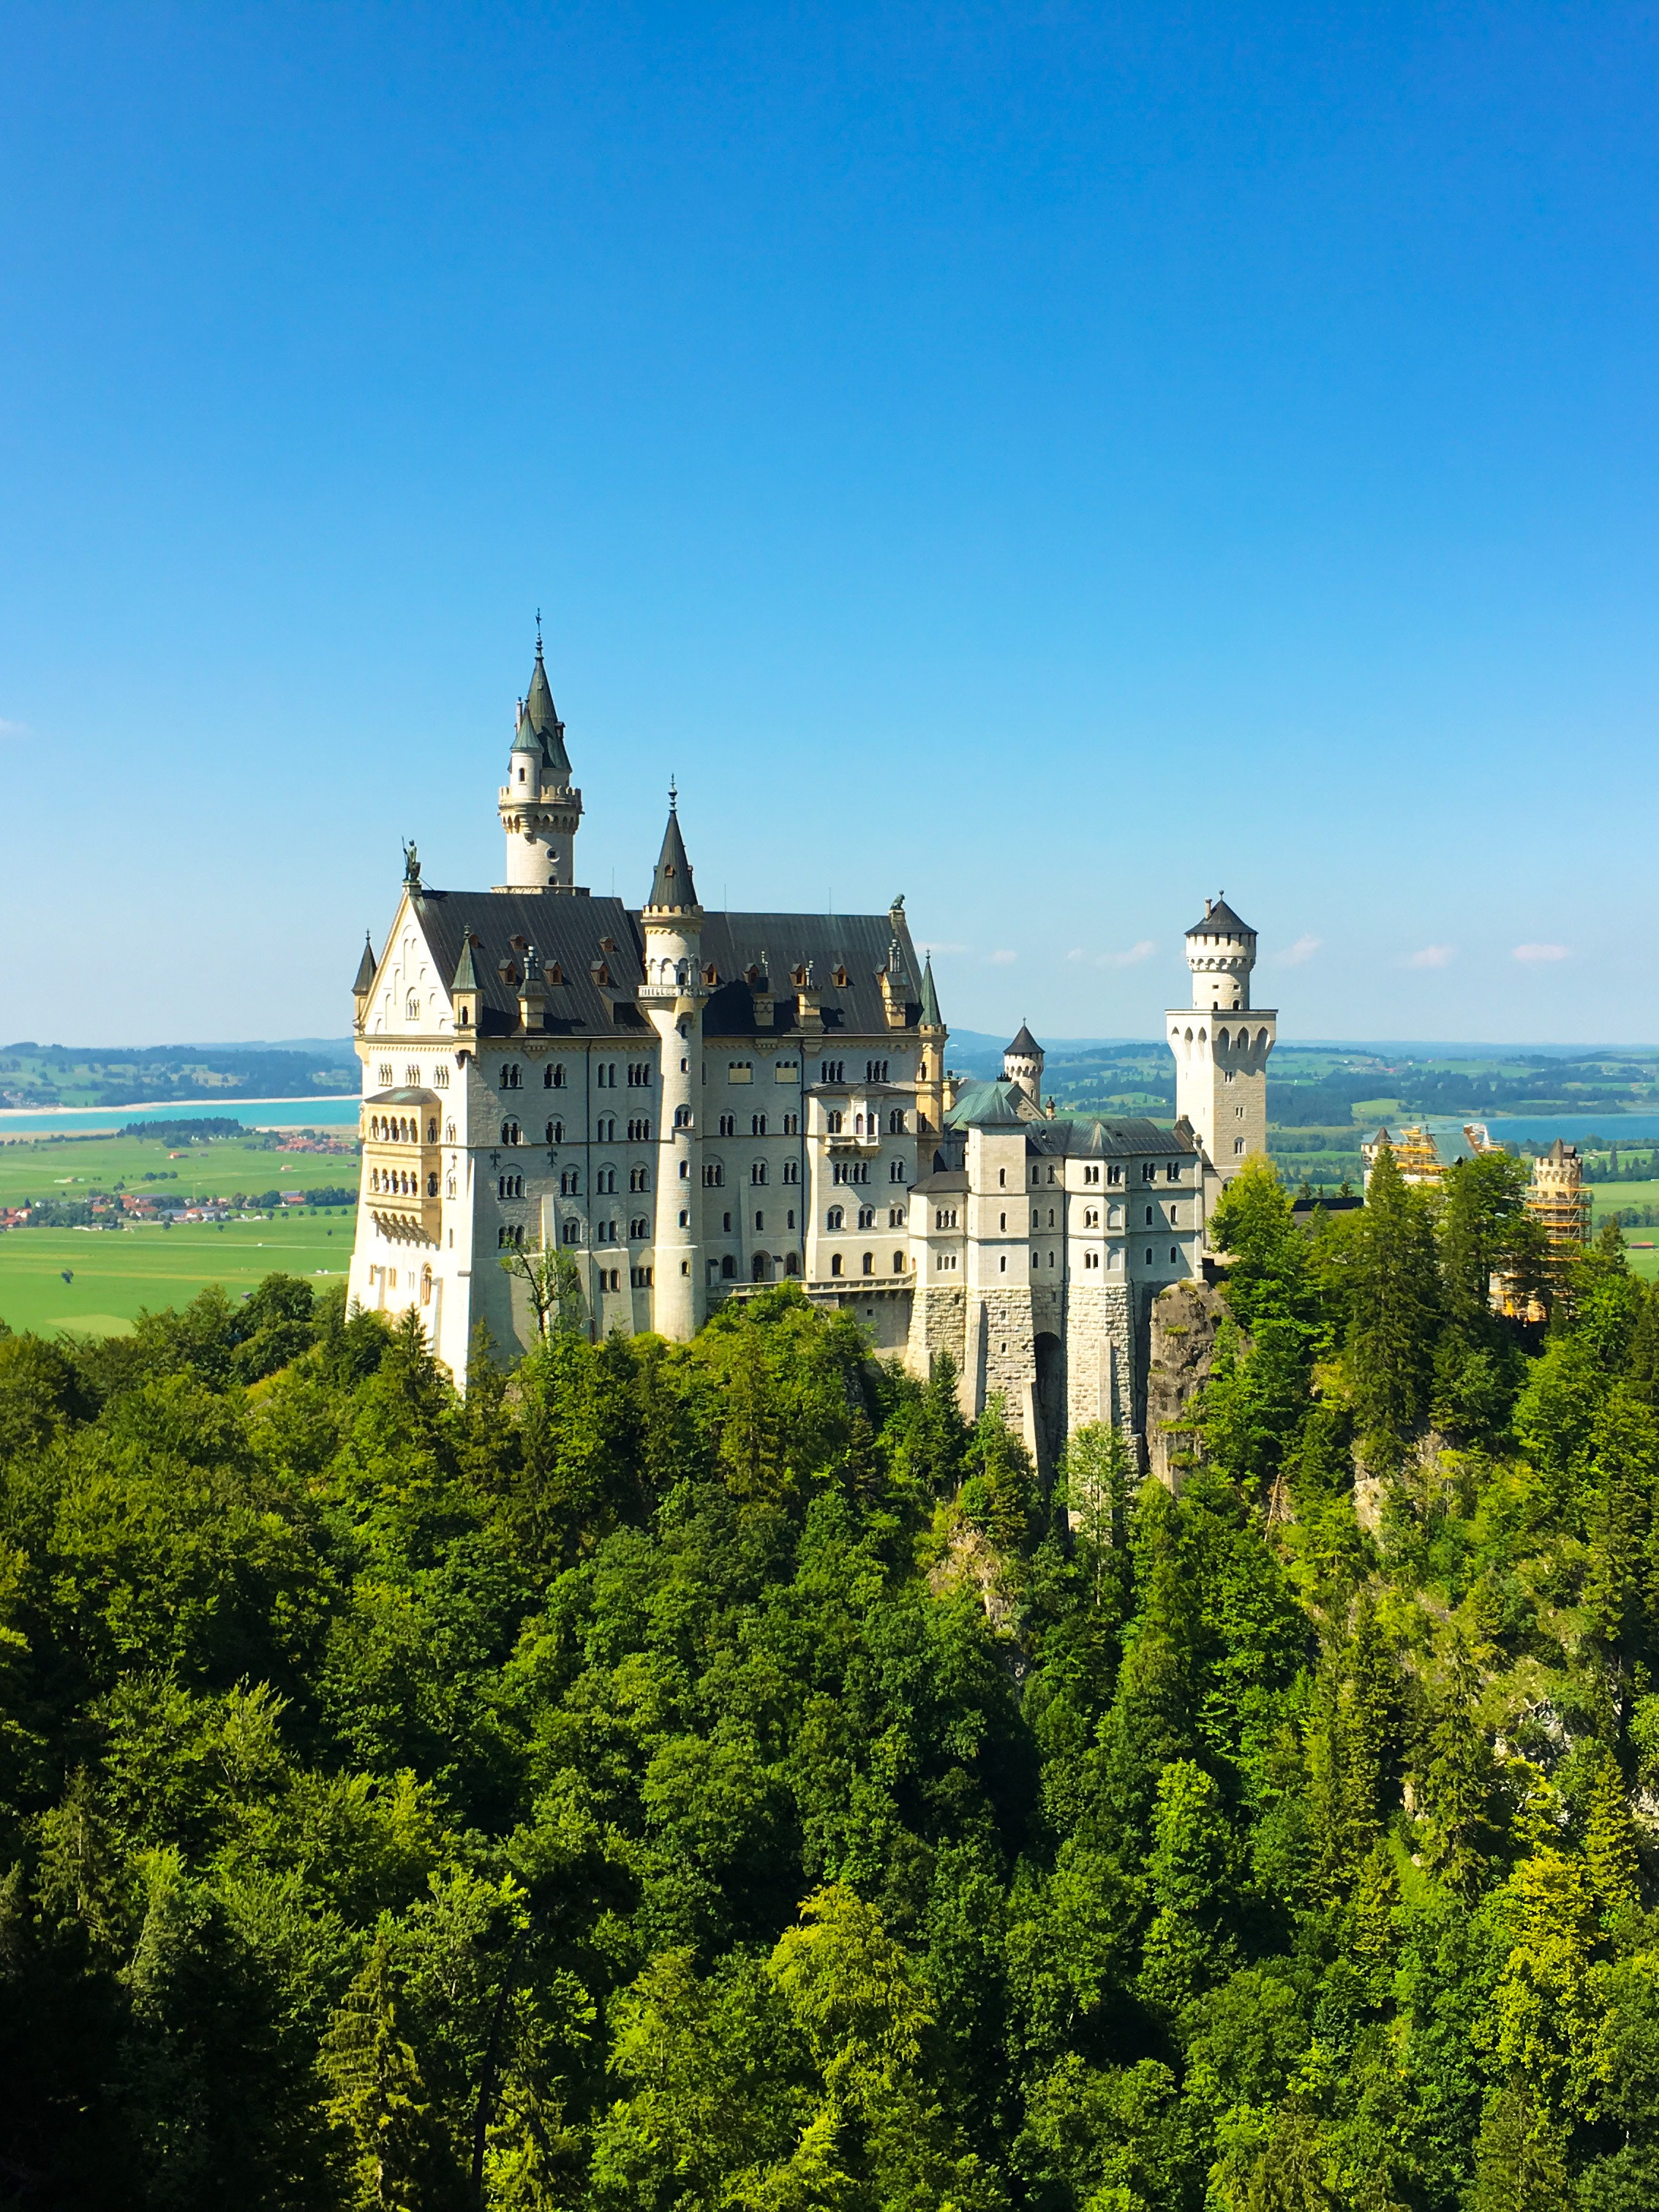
(1185, 1319)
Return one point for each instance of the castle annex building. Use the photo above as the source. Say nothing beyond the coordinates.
(690, 1102)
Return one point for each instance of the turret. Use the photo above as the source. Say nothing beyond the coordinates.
(1221, 952)
(464, 994)
(896, 984)
(364, 989)
(1022, 1063)
(930, 1101)
(540, 808)
(672, 1000)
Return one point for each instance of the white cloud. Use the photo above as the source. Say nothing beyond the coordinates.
(1531, 953)
(13, 729)
(1431, 956)
(1294, 955)
(1004, 959)
(1131, 958)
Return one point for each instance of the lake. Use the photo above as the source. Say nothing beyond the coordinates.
(331, 1112)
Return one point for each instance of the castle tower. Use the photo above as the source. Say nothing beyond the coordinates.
(671, 998)
(1221, 1044)
(930, 1072)
(1022, 1063)
(540, 808)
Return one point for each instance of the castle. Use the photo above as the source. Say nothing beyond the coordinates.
(689, 1103)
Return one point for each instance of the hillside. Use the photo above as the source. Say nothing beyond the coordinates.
(710, 1776)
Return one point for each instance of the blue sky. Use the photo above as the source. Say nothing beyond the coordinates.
(1055, 461)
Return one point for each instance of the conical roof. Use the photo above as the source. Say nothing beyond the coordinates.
(466, 976)
(1025, 1045)
(672, 887)
(1219, 920)
(931, 1016)
(364, 981)
(543, 718)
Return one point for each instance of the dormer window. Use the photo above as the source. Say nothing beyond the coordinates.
(839, 977)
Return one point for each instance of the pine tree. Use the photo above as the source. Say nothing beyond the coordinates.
(1391, 1349)
(1610, 1837)
(377, 2096)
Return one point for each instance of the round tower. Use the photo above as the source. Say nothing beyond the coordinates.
(672, 998)
(541, 809)
(1022, 1063)
(1221, 952)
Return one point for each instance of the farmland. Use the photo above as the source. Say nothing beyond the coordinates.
(116, 1273)
(75, 1167)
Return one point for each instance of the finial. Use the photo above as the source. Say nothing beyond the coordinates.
(538, 632)
(673, 797)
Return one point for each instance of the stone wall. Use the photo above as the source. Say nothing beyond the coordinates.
(1099, 1355)
(938, 1323)
(1184, 1321)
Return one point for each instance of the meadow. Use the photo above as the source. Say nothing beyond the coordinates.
(75, 1167)
(116, 1273)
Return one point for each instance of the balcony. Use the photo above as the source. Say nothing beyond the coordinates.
(402, 1163)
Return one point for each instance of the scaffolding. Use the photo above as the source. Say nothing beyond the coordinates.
(1559, 1200)
(1415, 1154)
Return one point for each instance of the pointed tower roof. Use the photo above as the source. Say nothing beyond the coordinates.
(1219, 920)
(466, 976)
(931, 1016)
(541, 715)
(1024, 1044)
(366, 966)
(672, 887)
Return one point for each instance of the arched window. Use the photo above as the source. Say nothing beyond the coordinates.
(556, 1133)
(728, 1268)
(836, 1218)
(412, 1007)
(834, 1263)
(869, 1263)
(791, 1263)
(509, 1133)
(682, 1117)
(758, 1172)
(832, 1121)
(728, 1124)
(895, 1122)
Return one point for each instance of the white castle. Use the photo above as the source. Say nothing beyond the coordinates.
(690, 1103)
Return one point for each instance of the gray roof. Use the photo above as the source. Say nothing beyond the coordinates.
(542, 717)
(1000, 1105)
(672, 888)
(366, 967)
(567, 933)
(930, 1015)
(466, 976)
(1219, 920)
(1024, 1044)
(402, 1097)
(947, 1179)
(1096, 1140)
(777, 945)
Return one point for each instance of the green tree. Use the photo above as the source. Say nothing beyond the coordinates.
(1391, 1336)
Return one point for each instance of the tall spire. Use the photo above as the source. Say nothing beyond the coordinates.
(672, 888)
(931, 1016)
(541, 715)
(365, 982)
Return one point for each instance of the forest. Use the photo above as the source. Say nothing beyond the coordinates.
(714, 1776)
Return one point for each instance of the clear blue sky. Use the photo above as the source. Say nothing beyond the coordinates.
(1055, 461)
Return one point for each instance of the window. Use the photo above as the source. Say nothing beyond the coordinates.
(1149, 1255)
(1149, 1171)
(875, 1071)
(1034, 1260)
(1002, 1178)
(757, 1171)
(896, 1171)
(726, 1224)
(383, 1077)
(831, 1071)
(1113, 1175)
(449, 1192)
(898, 1263)
(682, 1117)
(611, 1278)
(1002, 1221)
(866, 1217)
(639, 1178)
(640, 1277)
(1051, 1175)
(412, 1077)
(1239, 1113)
(785, 1071)
(412, 1007)
(849, 1172)
(1034, 1175)
(605, 1180)
(639, 1133)
(896, 1122)
(1091, 1258)
(713, 1174)
(791, 1263)
(834, 1263)
(1172, 1172)
(573, 1233)
(440, 1077)
(511, 1075)
(760, 1221)
(739, 1071)
(792, 1171)
(792, 1125)
(553, 1077)
(1051, 1217)
(509, 1185)
(757, 1125)
(944, 1263)
(569, 1184)
(1091, 1175)
(639, 1074)
(449, 1133)
(605, 1129)
(945, 1217)
(685, 1222)
(896, 1217)
(1149, 1216)
(1238, 1144)
(510, 1236)
(832, 1121)
(789, 1219)
(869, 1263)
(1175, 1253)
(509, 1133)
(605, 1076)
(638, 1230)
(728, 1124)
(836, 1218)
(556, 1133)
(1002, 1263)
(728, 1268)
(1092, 1217)
(1036, 1218)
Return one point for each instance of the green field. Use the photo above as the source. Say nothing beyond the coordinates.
(74, 1167)
(116, 1272)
